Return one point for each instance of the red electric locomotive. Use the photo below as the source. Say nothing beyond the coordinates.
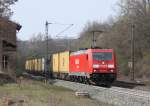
(94, 65)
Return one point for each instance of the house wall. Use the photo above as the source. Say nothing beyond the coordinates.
(8, 45)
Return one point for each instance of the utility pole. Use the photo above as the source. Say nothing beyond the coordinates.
(47, 59)
(93, 38)
(132, 52)
(132, 27)
(47, 62)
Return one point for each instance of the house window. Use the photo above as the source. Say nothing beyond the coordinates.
(5, 62)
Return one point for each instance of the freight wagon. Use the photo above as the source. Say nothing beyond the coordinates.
(35, 66)
(60, 67)
(96, 66)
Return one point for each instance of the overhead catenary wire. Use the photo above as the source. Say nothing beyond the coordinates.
(64, 30)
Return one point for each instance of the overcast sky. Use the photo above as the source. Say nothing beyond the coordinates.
(32, 14)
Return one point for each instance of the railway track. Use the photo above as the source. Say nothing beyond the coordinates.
(127, 84)
(117, 96)
(114, 95)
(117, 83)
(133, 92)
(121, 90)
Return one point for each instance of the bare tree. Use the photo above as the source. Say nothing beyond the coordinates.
(5, 10)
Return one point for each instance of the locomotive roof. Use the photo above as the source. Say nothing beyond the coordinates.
(93, 50)
(79, 52)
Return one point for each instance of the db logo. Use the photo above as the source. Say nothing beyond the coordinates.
(77, 61)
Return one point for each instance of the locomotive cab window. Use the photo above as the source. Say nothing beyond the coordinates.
(102, 56)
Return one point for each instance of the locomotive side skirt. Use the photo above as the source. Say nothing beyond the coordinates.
(83, 74)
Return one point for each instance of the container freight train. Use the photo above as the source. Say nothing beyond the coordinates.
(96, 66)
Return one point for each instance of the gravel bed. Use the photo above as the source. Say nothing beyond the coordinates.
(114, 95)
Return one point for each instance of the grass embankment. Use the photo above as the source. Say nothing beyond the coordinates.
(33, 93)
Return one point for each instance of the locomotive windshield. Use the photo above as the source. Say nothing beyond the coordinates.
(102, 56)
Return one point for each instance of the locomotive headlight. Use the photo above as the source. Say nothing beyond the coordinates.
(110, 66)
(96, 65)
(95, 70)
(111, 70)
